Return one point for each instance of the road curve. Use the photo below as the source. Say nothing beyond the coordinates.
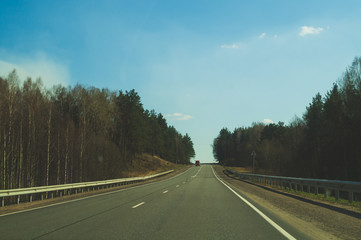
(192, 205)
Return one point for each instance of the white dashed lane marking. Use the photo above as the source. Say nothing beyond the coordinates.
(140, 204)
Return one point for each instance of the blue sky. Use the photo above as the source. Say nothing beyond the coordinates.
(202, 64)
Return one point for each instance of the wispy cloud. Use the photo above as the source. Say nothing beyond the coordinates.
(50, 72)
(262, 35)
(233, 46)
(306, 30)
(267, 121)
(179, 116)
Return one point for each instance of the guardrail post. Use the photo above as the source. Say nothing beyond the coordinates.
(350, 197)
(337, 194)
(3, 201)
(308, 188)
(316, 190)
(31, 198)
(327, 192)
(18, 199)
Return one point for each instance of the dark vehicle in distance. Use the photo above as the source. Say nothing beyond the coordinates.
(198, 163)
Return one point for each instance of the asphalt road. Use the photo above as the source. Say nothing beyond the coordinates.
(192, 205)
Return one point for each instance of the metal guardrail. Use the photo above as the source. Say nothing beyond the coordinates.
(66, 188)
(305, 184)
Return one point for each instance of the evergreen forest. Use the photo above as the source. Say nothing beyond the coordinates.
(325, 143)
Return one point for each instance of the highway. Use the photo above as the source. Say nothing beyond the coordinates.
(192, 205)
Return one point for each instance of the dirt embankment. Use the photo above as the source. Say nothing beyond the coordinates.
(146, 164)
(316, 220)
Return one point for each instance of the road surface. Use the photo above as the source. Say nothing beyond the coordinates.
(192, 205)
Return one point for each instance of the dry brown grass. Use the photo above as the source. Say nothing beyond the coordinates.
(146, 164)
(249, 170)
(241, 169)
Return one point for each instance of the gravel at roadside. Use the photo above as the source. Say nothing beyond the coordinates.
(318, 222)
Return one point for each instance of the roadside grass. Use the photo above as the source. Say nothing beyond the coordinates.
(312, 196)
(321, 197)
(249, 170)
(146, 164)
(241, 169)
(318, 197)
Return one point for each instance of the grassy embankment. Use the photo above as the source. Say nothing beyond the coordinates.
(146, 164)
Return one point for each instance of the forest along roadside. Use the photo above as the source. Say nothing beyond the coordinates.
(316, 221)
(41, 203)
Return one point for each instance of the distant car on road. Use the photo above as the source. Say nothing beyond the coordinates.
(198, 163)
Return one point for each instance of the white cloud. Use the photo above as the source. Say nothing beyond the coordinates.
(305, 30)
(267, 121)
(179, 116)
(262, 35)
(233, 46)
(50, 72)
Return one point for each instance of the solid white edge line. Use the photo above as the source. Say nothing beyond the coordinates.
(97, 195)
(275, 225)
(140, 204)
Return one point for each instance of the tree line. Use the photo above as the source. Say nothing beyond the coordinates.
(325, 143)
(74, 134)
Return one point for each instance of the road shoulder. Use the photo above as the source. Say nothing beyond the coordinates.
(24, 206)
(314, 221)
